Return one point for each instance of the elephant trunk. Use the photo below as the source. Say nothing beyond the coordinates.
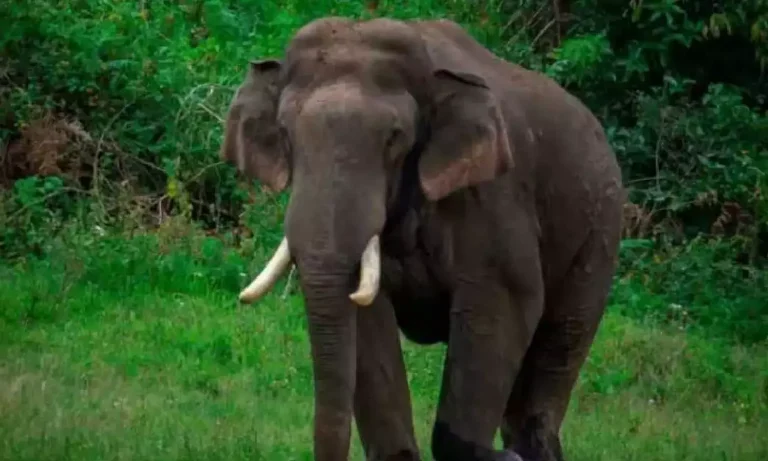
(332, 228)
(331, 311)
(332, 319)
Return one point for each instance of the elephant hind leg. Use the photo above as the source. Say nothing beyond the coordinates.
(542, 390)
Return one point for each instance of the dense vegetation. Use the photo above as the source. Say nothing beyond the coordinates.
(124, 240)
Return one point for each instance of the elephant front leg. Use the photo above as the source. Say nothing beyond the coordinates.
(491, 328)
(382, 399)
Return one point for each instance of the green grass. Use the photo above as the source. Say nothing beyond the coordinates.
(135, 349)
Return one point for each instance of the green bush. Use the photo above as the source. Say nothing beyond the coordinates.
(681, 89)
(150, 84)
(701, 285)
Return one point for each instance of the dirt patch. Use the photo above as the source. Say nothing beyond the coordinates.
(637, 222)
(47, 146)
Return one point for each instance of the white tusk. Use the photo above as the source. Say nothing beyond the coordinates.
(370, 273)
(274, 269)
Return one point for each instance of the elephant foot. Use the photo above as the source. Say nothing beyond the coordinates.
(507, 455)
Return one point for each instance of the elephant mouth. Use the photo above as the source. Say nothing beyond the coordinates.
(278, 265)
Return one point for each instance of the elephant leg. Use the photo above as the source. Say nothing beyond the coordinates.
(490, 329)
(541, 393)
(382, 403)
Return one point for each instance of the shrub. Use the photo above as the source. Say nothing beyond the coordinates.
(701, 285)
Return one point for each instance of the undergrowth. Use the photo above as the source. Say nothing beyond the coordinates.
(701, 285)
(123, 102)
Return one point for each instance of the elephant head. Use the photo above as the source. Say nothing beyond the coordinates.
(337, 119)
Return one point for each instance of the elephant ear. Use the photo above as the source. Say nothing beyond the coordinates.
(251, 135)
(468, 143)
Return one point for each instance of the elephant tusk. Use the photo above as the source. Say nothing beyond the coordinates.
(274, 269)
(370, 273)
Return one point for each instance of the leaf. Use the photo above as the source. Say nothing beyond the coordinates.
(630, 244)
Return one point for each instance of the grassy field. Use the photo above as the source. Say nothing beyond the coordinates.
(134, 348)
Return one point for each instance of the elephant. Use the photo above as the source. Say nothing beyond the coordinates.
(442, 192)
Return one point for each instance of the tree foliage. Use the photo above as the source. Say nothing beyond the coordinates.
(122, 102)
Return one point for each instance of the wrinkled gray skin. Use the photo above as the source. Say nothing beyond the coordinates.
(497, 199)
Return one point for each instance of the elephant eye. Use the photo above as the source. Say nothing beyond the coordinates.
(391, 150)
(393, 137)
